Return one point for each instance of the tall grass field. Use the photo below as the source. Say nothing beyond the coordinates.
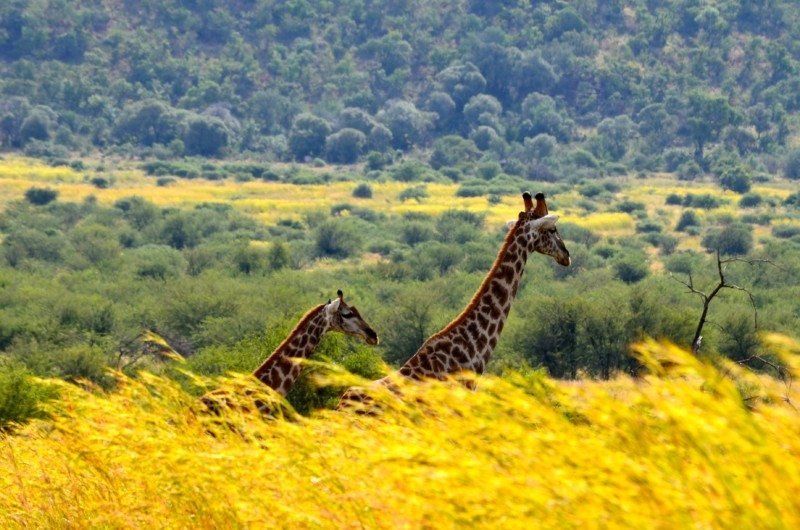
(684, 445)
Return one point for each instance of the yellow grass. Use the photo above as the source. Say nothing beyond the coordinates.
(605, 221)
(676, 449)
(19, 169)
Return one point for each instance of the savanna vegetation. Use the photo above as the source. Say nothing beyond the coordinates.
(181, 181)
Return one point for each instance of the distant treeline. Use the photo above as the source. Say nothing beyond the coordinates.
(544, 89)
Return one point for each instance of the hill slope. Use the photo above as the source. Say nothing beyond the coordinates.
(546, 90)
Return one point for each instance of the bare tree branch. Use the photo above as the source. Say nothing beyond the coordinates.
(709, 297)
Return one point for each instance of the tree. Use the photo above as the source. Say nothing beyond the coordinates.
(482, 109)
(307, 136)
(345, 146)
(706, 116)
(148, 122)
(736, 178)
(791, 168)
(709, 297)
(452, 150)
(407, 123)
(206, 136)
(337, 239)
(36, 126)
(540, 116)
(733, 239)
(688, 218)
(614, 135)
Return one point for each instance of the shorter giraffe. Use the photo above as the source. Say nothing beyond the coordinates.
(281, 369)
(467, 342)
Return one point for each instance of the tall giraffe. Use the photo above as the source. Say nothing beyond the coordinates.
(281, 369)
(467, 342)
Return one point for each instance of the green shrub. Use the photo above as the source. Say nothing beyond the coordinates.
(628, 206)
(363, 191)
(786, 231)
(417, 193)
(631, 268)
(41, 196)
(337, 238)
(689, 170)
(791, 169)
(645, 227)
(705, 201)
(733, 239)
(688, 218)
(750, 200)
(20, 396)
(736, 178)
(592, 189)
(674, 199)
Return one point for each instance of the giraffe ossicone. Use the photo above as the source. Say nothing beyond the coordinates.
(281, 369)
(466, 343)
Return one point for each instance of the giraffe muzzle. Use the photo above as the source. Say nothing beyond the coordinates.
(372, 337)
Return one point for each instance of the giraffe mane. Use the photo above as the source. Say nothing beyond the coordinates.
(314, 311)
(512, 233)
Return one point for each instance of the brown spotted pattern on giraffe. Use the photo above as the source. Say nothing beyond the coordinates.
(469, 340)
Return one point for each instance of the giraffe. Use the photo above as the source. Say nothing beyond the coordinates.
(281, 369)
(466, 343)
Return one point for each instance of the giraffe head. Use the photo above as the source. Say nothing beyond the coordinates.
(346, 319)
(540, 229)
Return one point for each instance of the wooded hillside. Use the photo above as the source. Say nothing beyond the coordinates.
(545, 89)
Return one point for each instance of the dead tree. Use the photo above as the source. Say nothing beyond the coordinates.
(707, 298)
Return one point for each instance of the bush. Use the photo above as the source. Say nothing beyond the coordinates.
(337, 239)
(631, 269)
(733, 239)
(674, 199)
(345, 146)
(786, 231)
(705, 201)
(689, 170)
(592, 189)
(793, 200)
(363, 191)
(20, 395)
(628, 206)
(736, 178)
(411, 171)
(415, 232)
(751, 200)
(472, 189)
(688, 218)
(41, 196)
(416, 192)
(791, 169)
(646, 227)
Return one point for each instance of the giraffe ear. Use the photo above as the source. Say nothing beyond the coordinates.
(541, 206)
(333, 306)
(546, 222)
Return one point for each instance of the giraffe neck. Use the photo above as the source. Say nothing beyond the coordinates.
(469, 340)
(280, 370)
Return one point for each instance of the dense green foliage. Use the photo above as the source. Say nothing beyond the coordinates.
(546, 90)
(80, 282)
(491, 95)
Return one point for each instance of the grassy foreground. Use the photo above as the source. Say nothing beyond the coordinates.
(689, 445)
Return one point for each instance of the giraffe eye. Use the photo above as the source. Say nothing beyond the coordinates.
(347, 315)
